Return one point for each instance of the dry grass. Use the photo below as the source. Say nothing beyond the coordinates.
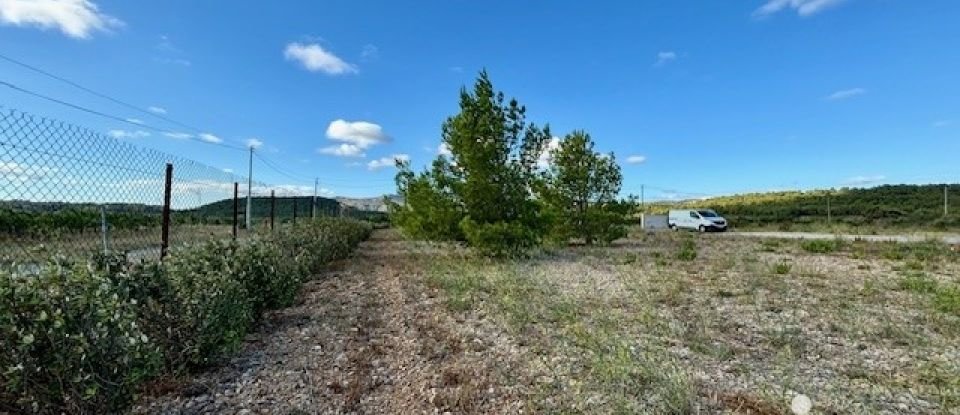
(661, 323)
(737, 326)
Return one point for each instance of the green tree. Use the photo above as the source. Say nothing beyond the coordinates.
(429, 210)
(486, 182)
(580, 190)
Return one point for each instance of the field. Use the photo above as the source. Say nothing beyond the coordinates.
(143, 242)
(657, 323)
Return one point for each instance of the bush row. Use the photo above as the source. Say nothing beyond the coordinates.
(80, 337)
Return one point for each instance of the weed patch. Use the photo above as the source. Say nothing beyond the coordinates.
(822, 246)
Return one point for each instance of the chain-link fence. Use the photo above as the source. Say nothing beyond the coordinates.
(65, 190)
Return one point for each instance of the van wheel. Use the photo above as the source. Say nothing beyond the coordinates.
(702, 229)
(673, 227)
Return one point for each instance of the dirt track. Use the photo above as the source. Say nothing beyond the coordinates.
(364, 338)
(950, 239)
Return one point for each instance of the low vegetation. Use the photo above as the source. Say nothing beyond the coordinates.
(742, 328)
(897, 207)
(81, 337)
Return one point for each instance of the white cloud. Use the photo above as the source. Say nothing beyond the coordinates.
(253, 142)
(228, 171)
(864, 180)
(130, 120)
(210, 138)
(845, 94)
(666, 57)
(22, 172)
(128, 134)
(804, 8)
(343, 150)
(444, 150)
(385, 162)
(157, 110)
(315, 59)
(942, 123)
(546, 157)
(179, 136)
(636, 159)
(355, 136)
(75, 18)
(370, 52)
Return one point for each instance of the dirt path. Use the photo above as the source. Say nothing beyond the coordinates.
(365, 337)
(950, 239)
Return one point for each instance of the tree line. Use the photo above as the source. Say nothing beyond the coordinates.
(502, 190)
(907, 206)
(45, 219)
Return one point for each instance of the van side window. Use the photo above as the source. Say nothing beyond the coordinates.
(694, 215)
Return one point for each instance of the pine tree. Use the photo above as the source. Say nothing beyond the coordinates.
(580, 189)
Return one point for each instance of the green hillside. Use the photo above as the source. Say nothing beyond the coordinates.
(894, 206)
(261, 207)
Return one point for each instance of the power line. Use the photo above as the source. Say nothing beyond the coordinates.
(109, 116)
(297, 177)
(280, 171)
(99, 94)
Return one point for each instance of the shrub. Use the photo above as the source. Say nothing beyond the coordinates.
(688, 250)
(270, 279)
(500, 238)
(821, 246)
(79, 338)
(70, 341)
(918, 282)
(782, 268)
(214, 307)
(322, 241)
(947, 300)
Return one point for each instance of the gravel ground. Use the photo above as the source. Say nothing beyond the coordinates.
(950, 239)
(406, 327)
(359, 341)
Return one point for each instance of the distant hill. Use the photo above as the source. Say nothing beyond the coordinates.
(907, 206)
(369, 204)
(261, 207)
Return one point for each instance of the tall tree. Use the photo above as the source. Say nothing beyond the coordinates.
(580, 189)
(488, 177)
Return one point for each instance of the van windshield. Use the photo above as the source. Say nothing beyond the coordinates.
(707, 213)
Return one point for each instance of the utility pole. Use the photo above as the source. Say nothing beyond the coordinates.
(313, 209)
(642, 209)
(248, 215)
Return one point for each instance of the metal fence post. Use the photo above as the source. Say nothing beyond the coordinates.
(294, 210)
(165, 227)
(273, 208)
(236, 207)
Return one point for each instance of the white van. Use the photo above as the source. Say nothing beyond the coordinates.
(698, 219)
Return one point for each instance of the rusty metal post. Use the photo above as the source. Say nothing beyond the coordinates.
(273, 208)
(236, 207)
(165, 227)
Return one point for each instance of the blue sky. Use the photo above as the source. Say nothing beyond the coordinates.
(705, 97)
